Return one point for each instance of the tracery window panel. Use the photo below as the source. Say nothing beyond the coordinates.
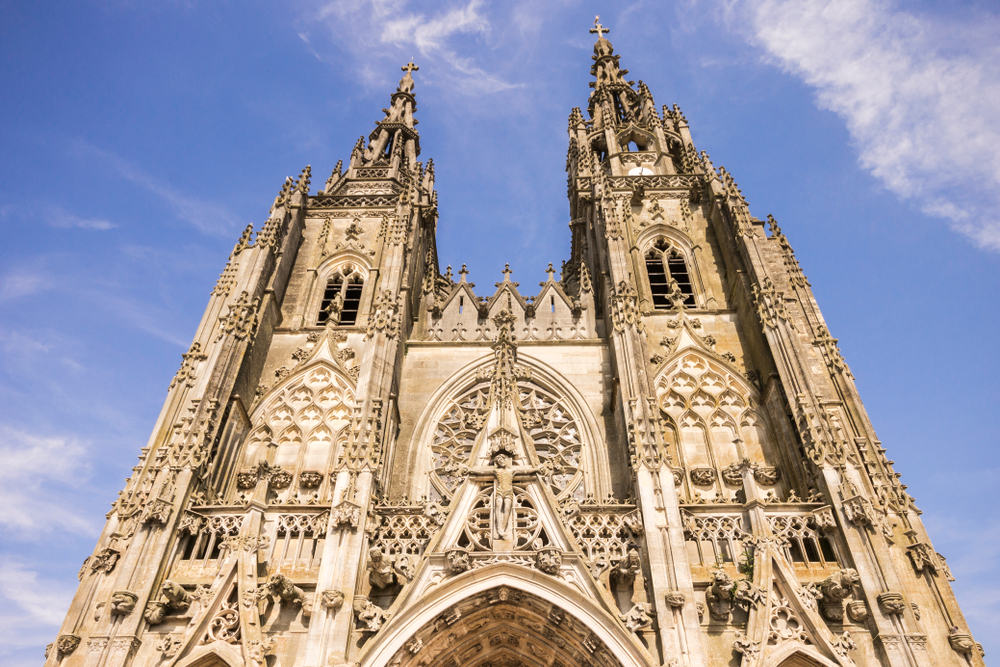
(665, 262)
(555, 432)
(342, 298)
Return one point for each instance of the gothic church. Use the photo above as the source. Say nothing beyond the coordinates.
(659, 459)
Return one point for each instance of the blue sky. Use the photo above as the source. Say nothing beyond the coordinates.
(139, 138)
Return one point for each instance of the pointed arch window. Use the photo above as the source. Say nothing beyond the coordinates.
(665, 262)
(341, 298)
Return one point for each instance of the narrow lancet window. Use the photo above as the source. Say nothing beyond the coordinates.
(665, 263)
(341, 299)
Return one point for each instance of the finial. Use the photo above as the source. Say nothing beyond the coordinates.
(506, 272)
(551, 272)
(410, 68)
(463, 273)
(599, 29)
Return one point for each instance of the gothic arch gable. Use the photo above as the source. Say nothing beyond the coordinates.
(487, 593)
(593, 458)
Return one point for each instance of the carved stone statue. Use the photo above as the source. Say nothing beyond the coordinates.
(403, 568)
(834, 589)
(638, 617)
(548, 560)
(332, 599)
(719, 595)
(380, 571)
(175, 600)
(370, 616)
(123, 603)
(281, 587)
(503, 492)
(628, 568)
(458, 560)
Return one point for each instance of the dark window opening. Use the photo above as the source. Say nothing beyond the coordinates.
(812, 552)
(352, 303)
(552, 300)
(461, 304)
(796, 552)
(828, 554)
(349, 297)
(663, 264)
(679, 272)
(659, 284)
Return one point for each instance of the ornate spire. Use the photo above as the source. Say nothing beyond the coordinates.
(613, 100)
(394, 141)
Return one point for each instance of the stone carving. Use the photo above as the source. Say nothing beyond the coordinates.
(368, 615)
(259, 649)
(961, 642)
(169, 645)
(241, 320)
(458, 560)
(638, 617)
(157, 511)
(628, 568)
(676, 599)
(332, 599)
(310, 479)
(174, 600)
(280, 587)
(770, 304)
(66, 644)
(404, 569)
(923, 557)
(703, 476)
(104, 560)
(719, 595)
(834, 589)
(548, 560)
(346, 515)
(749, 649)
(380, 570)
(766, 476)
(123, 603)
(733, 474)
(842, 644)
(891, 603)
(857, 610)
(280, 479)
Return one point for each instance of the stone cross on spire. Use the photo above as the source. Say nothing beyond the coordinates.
(599, 29)
(409, 67)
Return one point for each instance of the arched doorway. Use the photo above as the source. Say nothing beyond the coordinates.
(505, 627)
(504, 615)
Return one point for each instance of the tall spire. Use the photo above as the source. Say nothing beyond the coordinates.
(394, 140)
(613, 100)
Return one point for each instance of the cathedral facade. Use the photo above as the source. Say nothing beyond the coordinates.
(660, 458)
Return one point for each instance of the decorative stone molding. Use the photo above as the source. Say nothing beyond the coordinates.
(345, 515)
(310, 479)
(766, 475)
(703, 476)
(961, 642)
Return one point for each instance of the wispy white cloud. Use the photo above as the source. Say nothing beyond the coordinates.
(32, 607)
(365, 28)
(17, 283)
(61, 218)
(207, 217)
(33, 467)
(918, 94)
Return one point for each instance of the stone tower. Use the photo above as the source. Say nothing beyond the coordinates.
(659, 459)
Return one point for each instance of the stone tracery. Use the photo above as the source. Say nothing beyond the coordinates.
(553, 428)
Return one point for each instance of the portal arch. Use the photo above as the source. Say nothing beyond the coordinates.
(504, 615)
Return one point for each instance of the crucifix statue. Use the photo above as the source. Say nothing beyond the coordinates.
(504, 472)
